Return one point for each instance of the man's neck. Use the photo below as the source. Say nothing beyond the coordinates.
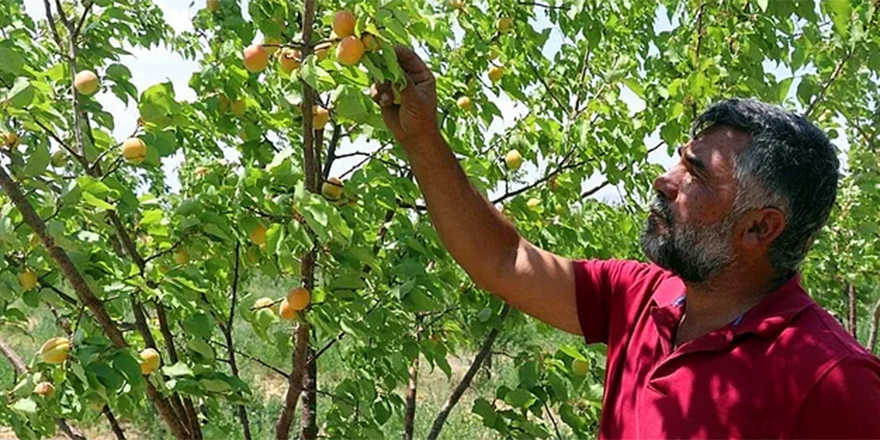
(715, 303)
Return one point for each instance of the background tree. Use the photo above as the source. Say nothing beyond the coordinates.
(288, 276)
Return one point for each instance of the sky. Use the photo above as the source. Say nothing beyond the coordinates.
(158, 64)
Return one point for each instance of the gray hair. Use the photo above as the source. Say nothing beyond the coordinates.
(789, 164)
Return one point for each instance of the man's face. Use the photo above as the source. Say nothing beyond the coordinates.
(689, 230)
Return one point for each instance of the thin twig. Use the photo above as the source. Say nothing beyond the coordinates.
(547, 87)
(63, 145)
(331, 150)
(358, 165)
(462, 386)
(552, 419)
(82, 20)
(538, 182)
(543, 5)
(828, 83)
(167, 251)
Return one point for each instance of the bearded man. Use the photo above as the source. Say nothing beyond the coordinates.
(715, 337)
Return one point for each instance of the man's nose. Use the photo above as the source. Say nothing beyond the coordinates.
(667, 183)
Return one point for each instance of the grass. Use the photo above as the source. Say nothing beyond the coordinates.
(269, 387)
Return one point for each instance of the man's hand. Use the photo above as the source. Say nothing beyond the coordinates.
(416, 114)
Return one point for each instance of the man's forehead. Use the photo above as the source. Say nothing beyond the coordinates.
(718, 138)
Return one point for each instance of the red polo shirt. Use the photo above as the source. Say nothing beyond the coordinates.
(785, 369)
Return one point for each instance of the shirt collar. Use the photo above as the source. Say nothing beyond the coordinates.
(774, 312)
(766, 318)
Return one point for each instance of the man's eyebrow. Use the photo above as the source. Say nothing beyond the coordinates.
(691, 158)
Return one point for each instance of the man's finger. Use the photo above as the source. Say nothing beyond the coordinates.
(412, 64)
(382, 94)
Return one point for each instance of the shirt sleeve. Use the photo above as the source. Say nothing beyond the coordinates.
(844, 404)
(605, 293)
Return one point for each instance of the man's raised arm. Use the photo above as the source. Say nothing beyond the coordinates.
(479, 238)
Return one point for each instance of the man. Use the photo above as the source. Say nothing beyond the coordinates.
(716, 338)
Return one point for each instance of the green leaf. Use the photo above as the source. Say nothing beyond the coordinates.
(763, 5)
(215, 385)
(782, 89)
(21, 94)
(27, 406)
(117, 72)
(163, 142)
(215, 230)
(520, 398)
(128, 366)
(567, 414)
(636, 88)
(12, 61)
(38, 160)
(157, 104)
(315, 76)
(199, 325)
(841, 14)
(201, 348)
(528, 374)
(352, 104)
(279, 158)
(410, 350)
(93, 186)
(399, 292)
(418, 301)
(106, 375)
(177, 370)
(97, 203)
(484, 409)
(381, 411)
(573, 352)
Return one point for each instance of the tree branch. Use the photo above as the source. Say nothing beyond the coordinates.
(331, 151)
(872, 337)
(114, 424)
(227, 331)
(82, 20)
(519, 191)
(18, 364)
(63, 144)
(166, 251)
(594, 189)
(358, 165)
(552, 419)
(468, 377)
(543, 5)
(52, 26)
(547, 87)
(853, 309)
(828, 83)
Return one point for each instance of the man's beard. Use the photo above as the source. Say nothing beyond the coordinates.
(693, 252)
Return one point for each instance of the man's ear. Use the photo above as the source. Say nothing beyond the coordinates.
(761, 226)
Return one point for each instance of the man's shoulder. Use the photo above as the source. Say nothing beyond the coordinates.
(624, 269)
(632, 279)
(818, 342)
(816, 329)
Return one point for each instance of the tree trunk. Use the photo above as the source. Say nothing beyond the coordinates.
(409, 416)
(309, 422)
(294, 383)
(853, 310)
